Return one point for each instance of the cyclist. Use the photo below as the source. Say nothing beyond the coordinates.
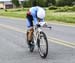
(34, 15)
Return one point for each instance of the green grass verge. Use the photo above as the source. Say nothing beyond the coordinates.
(13, 13)
(68, 17)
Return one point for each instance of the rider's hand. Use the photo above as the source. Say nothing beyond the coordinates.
(45, 25)
(38, 25)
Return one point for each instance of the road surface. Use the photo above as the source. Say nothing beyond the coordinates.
(13, 47)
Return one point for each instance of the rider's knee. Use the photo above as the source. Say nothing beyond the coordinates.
(31, 30)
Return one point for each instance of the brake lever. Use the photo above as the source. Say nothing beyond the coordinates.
(50, 27)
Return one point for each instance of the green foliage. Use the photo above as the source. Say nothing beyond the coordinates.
(66, 9)
(64, 2)
(73, 8)
(52, 8)
(45, 3)
(30, 3)
(16, 3)
(68, 17)
(27, 3)
(63, 9)
(42, 3)
(51, 2)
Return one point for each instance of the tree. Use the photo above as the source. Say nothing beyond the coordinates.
(34, 2)
(27, 3)
(52, 1)
(30, 3)
(42, 3)
(16, 3)
(64, 2)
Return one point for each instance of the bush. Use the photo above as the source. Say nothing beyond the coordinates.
(64, 2)
(63, 9)
(5, 10)
(27, 3)
(66, 9)
(73, 8)
(60, 10)
(52, 7)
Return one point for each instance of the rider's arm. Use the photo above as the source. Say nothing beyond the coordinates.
(42, 20)
(35, 20)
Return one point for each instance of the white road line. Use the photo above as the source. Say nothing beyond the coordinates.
(51, 39)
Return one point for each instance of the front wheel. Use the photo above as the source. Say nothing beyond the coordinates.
(42, 44)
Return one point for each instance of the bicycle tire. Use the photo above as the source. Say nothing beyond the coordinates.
(42, 54)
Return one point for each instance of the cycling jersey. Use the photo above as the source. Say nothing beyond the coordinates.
(32, 17)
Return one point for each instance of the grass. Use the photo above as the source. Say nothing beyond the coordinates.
(68, 17)
(13, 13)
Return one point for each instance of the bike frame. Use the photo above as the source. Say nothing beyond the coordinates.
(36, 32)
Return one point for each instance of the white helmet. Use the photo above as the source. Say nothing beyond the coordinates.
(41, 13)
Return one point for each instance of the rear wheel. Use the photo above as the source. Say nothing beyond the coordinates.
(42, 45)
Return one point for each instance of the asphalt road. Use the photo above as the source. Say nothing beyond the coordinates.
(13, 47)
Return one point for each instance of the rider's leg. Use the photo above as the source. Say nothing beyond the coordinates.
(30, 34)
(30, 27)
